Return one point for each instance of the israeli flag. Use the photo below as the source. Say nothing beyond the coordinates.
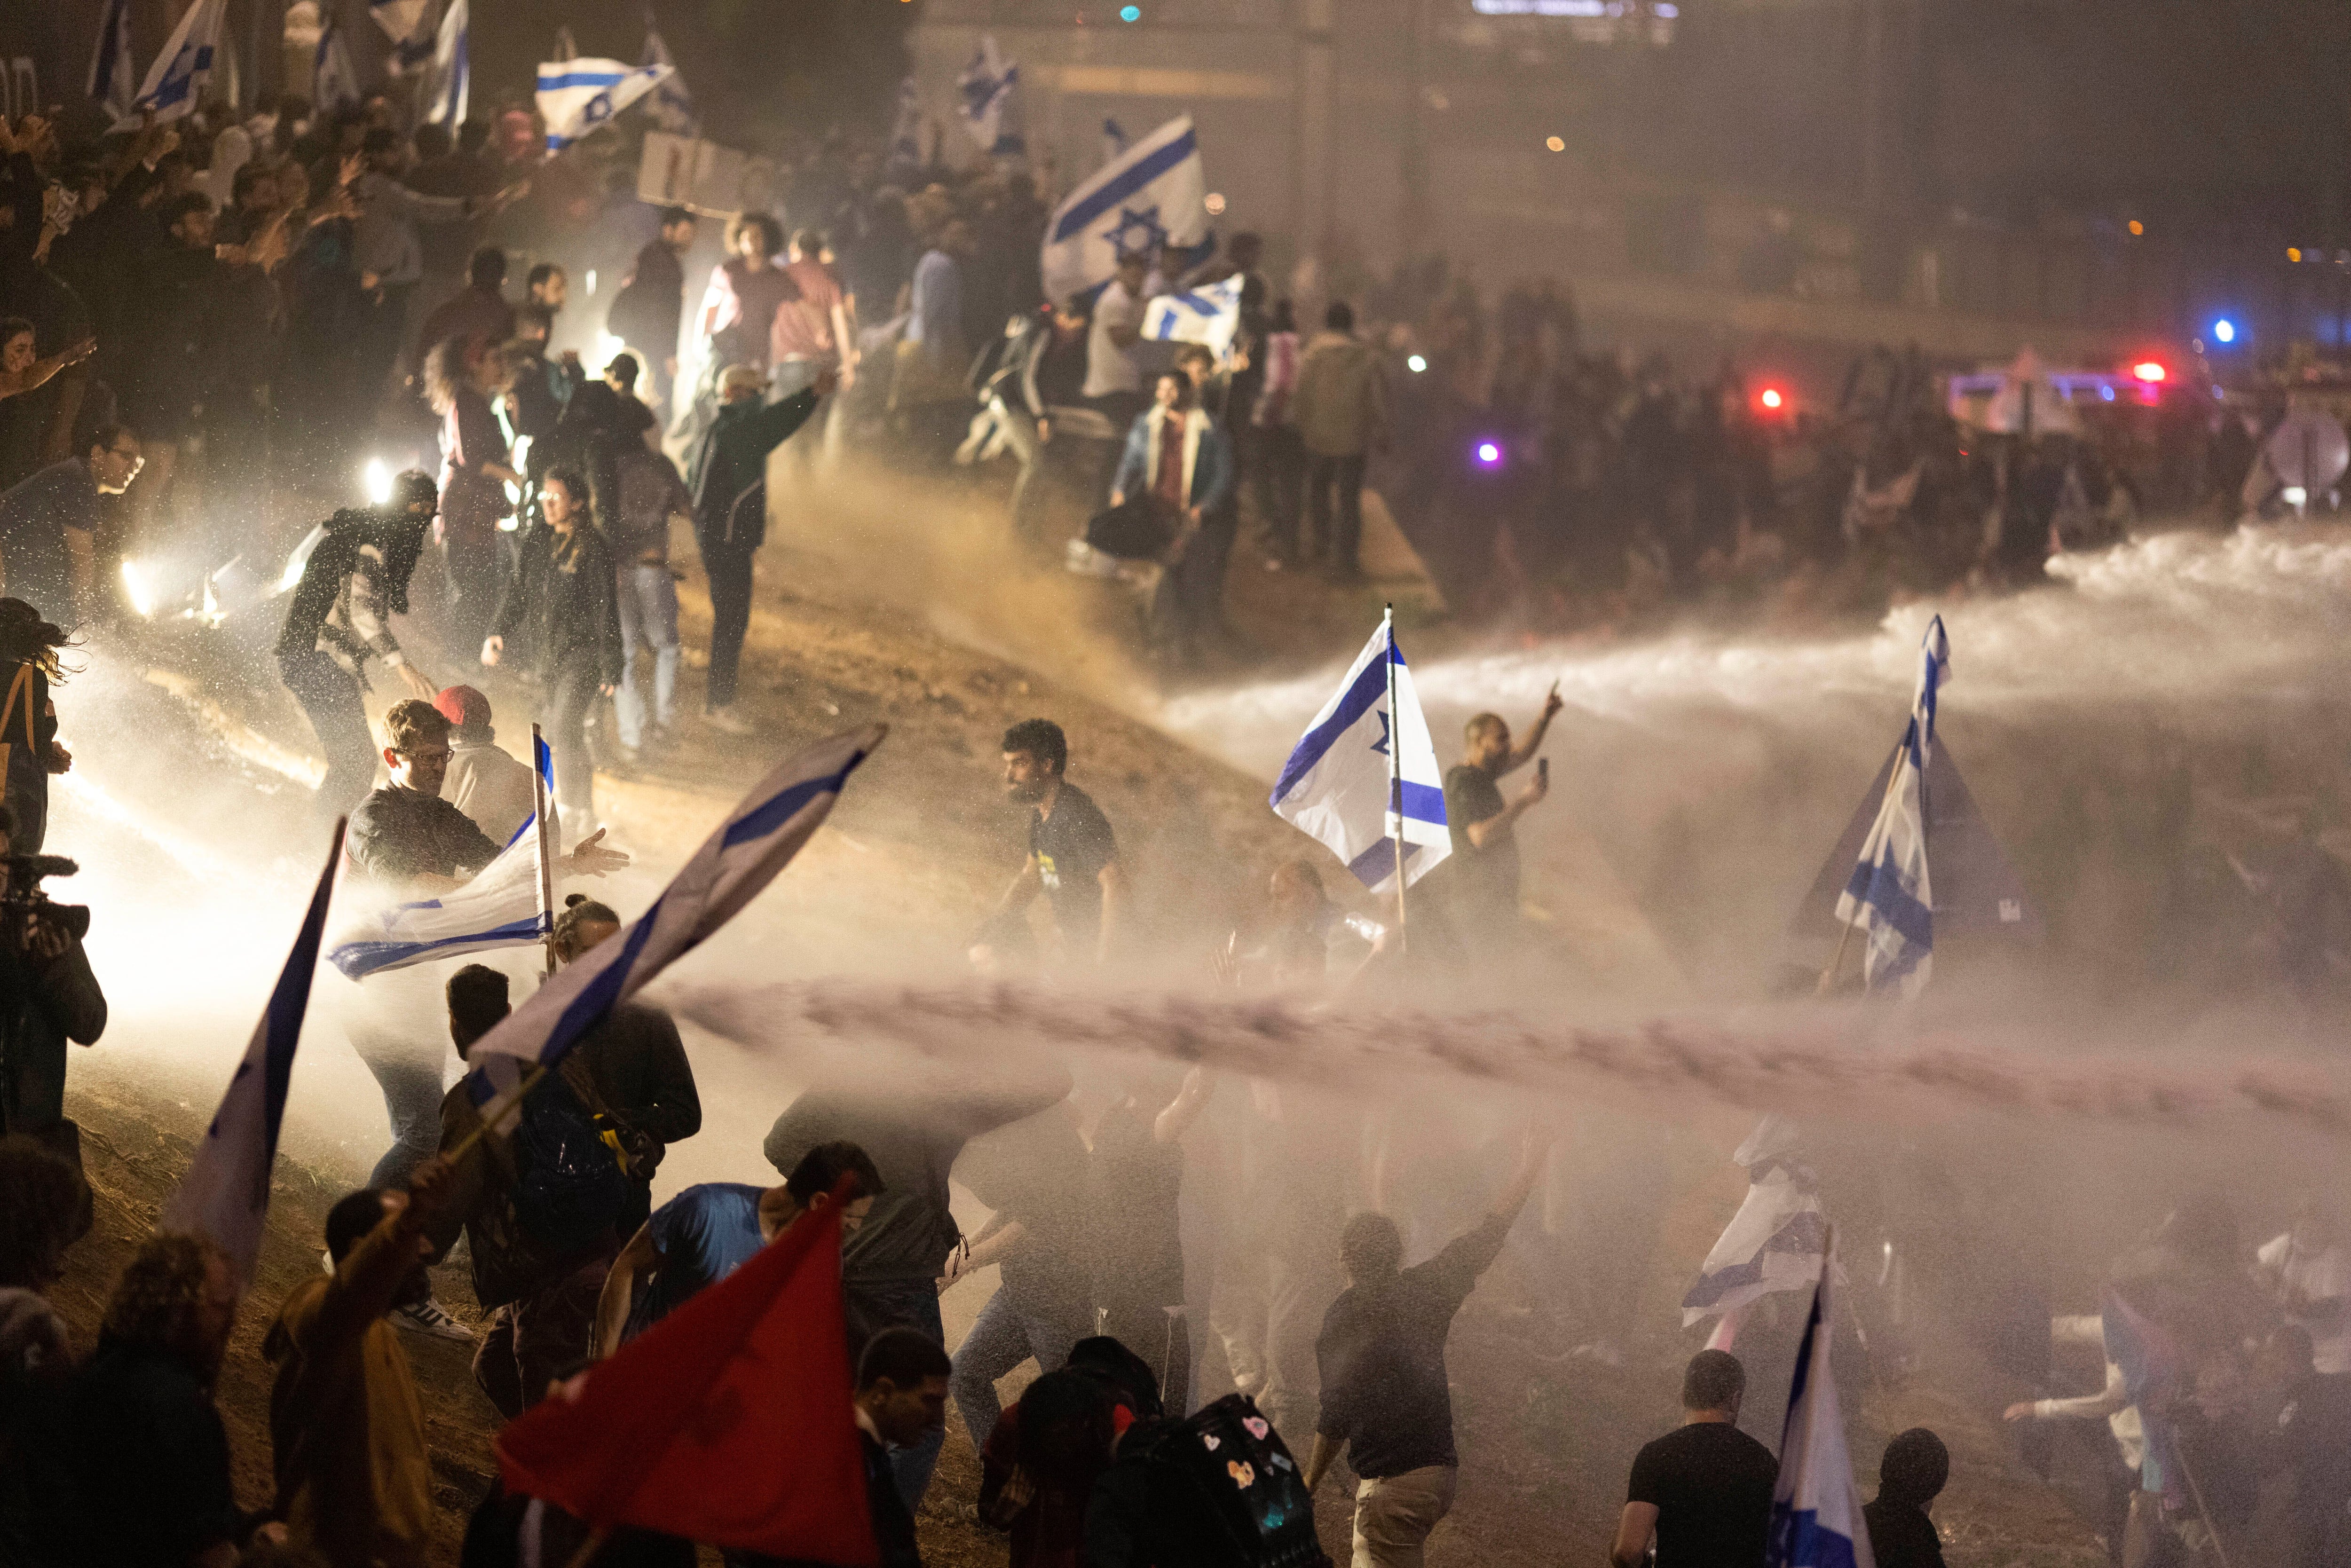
(110, 79)
(447, 84)
(407, 23)
(989, 89)
(226, 1192)
(673, 106)
(1888, 896)
(332, 79)
(1156, 194)
(748, 851)
(1114, 141)
(1210, 314)
(1336, 788)
(499, 908)
(1816, 1518)
(176, 80)
(577, 95)
(1779, 1239)
(906, 127)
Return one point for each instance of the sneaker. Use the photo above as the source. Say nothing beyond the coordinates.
(430, 1317)
(726, 721)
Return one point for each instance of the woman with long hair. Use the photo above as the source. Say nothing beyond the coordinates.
(31, 650)
(476, 469)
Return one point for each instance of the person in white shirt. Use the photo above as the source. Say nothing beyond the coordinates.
(2310, 1272)
(1113, 372)
(485, 781)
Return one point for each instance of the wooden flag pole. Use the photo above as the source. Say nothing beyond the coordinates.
(1395, 783)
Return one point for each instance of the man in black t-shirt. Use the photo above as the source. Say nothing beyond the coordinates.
(1386, 1395)
(1073, 852)
(1484, 875)
(1704, 1491)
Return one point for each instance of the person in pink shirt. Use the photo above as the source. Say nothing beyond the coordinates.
(813, 333)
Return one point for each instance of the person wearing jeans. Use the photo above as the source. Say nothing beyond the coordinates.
(649, 494)
(561, 602)
(1341, 410)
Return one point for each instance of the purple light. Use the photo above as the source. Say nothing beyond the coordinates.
(1489, 453)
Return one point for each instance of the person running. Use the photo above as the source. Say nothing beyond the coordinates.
(354, 579)
(1073, 852)
(728, 481)
(1703, 1493)
(706, 1232)
(1386, 1398)
(561, 604)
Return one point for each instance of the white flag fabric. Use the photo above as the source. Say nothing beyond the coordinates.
(176, 80)
(499, 908)
(332, 79)
(1210, 314)
(577, 95)
(1889, 896)
(448, 85)
(990, 90)
(673, 106)
(1777, 1240)
(754, 843)
(226, 1192)
(111, 81)
(1156, 194)
(1336, 788)
(1816, 1519)
(409, 25)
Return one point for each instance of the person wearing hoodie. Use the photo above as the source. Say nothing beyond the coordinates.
(1341, 410)
(1909, 1476)
(355, 571)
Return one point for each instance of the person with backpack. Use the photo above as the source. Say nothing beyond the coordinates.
(1386, 1397)
(706, 1232)
(540, 1210)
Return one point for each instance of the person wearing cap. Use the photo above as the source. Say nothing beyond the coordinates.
(486, 781)
(728, 482)
(355, 570)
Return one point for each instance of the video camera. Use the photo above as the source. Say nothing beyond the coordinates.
(23, 897)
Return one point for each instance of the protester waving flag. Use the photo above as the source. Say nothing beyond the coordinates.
(1153, 195)
(989, 91)
(1816, 1513)
(1210, 314)
(749, 849)
(1337, 789)
(727, 1423)
(225, 1194)
(499, 908)
(447, 83)
(673, 106)
(1888, 896)
(1777, 1241)
(112, 84)
(176, 81)
(577, 95)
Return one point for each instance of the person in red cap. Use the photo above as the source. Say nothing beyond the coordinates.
(484, 780)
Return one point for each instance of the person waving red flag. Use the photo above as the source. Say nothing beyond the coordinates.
(729, 1422)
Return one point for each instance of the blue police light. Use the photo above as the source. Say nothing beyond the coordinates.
(1130, 13)
(2224, 330)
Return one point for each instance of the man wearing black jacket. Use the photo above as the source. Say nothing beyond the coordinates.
(561, 602)
(728, 481)
(652, 301)
(354, 577)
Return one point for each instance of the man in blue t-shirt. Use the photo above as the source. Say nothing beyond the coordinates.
(706, 1232)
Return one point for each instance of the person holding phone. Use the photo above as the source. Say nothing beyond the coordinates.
(1484, 877)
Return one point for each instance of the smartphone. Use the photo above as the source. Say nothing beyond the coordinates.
(1542, 771)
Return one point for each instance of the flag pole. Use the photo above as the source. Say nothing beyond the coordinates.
(539, 802)
(1893, 782)
(1395, 783)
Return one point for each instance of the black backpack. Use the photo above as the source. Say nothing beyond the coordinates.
(572, 1189)
(1225, 1491)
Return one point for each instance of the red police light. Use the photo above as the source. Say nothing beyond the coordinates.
(1771, 398)
(2148, 371)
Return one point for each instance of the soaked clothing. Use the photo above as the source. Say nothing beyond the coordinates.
(1484, 880)
(399, 834)
(1711, 1486)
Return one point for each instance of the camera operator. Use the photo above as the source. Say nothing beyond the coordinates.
(48, 996)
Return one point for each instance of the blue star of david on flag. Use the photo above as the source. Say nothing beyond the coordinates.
(1145, 224)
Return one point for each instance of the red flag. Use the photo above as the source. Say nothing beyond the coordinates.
(728, 1422)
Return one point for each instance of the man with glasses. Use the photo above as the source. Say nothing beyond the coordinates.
(49, 525)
